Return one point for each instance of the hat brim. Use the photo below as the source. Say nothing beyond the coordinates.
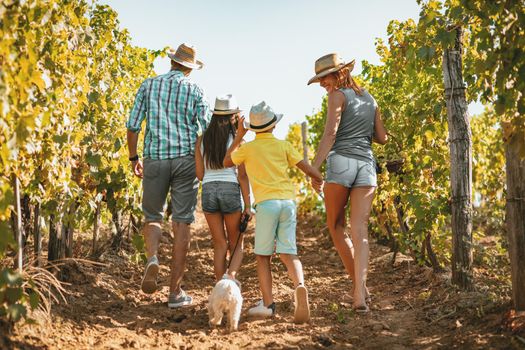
(226, 112)
(324, 73)
(247, 124)
(197, 65)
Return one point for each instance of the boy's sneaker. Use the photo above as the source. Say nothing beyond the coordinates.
(179, 300)
(302, 308)
(259, 310)
(149, 280)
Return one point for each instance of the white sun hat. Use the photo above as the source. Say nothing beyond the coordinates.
(262, 118)
(226, 104)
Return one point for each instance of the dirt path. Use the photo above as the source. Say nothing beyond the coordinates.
(411, 307)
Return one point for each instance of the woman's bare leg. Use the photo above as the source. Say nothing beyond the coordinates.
(336, 199)
(361, 203)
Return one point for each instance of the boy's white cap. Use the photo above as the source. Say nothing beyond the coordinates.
(262, 118)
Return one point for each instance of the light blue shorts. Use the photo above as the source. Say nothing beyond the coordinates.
(275, 222)
(350, 172)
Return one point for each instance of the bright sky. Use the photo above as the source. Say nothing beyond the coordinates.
(263, 50)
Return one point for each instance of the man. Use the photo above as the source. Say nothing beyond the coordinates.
(174, 107)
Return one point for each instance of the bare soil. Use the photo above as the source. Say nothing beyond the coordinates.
(412, 308)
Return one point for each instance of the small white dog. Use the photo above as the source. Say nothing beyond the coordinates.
(225, 297)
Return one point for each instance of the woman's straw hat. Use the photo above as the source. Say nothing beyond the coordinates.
(185, 55)
(328, 64)
(226, 104)
(262, 118)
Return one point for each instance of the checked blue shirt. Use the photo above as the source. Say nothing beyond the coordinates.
(175, 110)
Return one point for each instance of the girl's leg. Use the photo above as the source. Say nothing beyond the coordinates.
(232, 228)
(361, 203)
(220, 246)
(336, 199)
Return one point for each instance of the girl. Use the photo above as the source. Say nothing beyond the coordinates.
(222, 187)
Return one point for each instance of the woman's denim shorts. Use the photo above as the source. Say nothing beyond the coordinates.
(221, 197)
(350, 172)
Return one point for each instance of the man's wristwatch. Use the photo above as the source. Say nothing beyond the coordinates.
(134, 158)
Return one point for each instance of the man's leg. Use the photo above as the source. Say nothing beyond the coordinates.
(152, 233)
(155, 187)
(181, 245)
(184, 187)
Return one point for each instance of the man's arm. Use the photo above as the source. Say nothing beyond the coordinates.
(199, 160)
(202, 110)
(137, 115)
(136, 165)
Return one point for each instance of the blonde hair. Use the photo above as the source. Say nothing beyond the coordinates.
(345, 80)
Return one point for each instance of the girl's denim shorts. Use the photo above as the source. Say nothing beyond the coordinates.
(221, 197)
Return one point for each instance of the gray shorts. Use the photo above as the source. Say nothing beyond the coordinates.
(221, 197)
(350, 172)
(176, 176)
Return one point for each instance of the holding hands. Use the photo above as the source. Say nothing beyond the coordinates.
(317, 184)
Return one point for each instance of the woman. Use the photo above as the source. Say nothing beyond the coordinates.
(221, 199)
(353, 121)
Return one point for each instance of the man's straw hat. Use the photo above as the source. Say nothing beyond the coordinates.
(185, 55)
(328, 64)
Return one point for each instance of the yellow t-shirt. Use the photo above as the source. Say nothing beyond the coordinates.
(266, 160)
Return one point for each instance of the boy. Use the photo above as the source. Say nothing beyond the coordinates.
(266, 160)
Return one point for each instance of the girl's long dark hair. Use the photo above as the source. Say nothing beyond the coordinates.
(215, 140)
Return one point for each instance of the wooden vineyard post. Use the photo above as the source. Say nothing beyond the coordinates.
(18, 225)
(515, 210)
(96, 228)
(460, 138)
(37, 236)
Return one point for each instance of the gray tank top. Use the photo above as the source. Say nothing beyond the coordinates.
(354, 135)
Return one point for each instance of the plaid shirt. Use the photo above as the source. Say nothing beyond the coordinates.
(174, 108)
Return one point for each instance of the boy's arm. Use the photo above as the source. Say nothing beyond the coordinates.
(310, 170)
(241, 131)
